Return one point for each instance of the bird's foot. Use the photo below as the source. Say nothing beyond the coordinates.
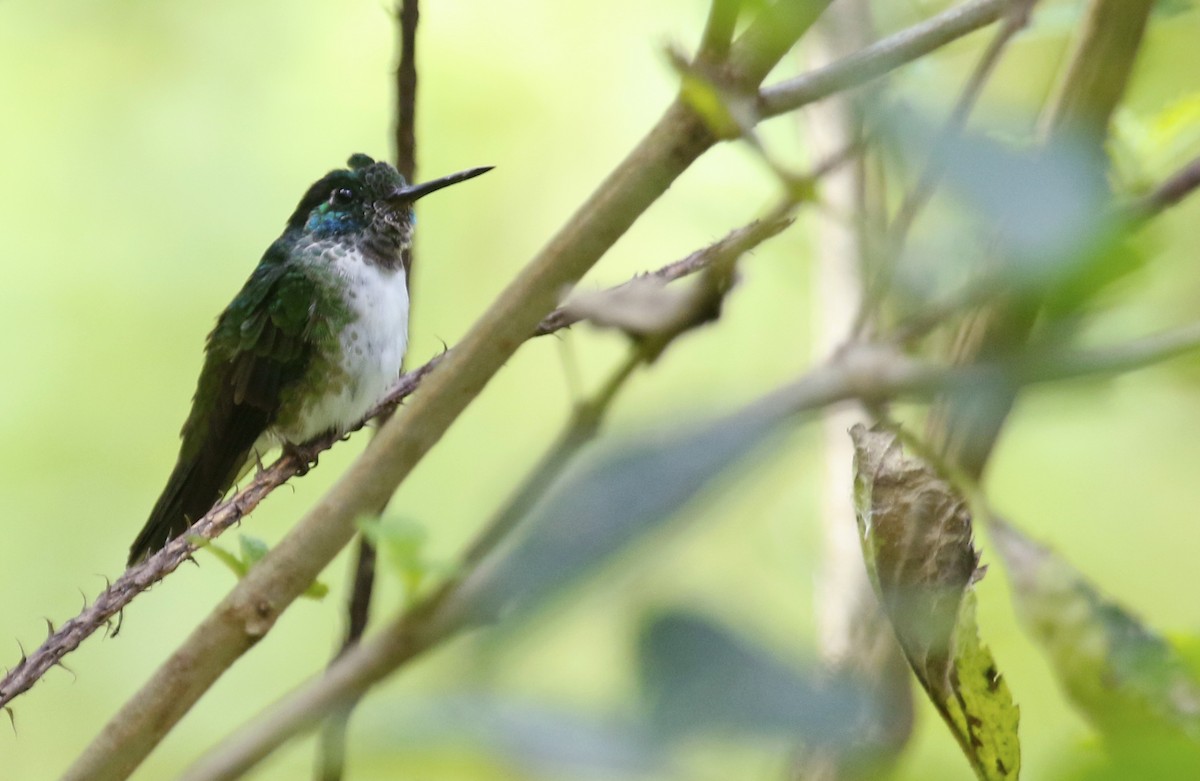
(301, 459)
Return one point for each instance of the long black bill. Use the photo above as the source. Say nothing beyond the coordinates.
(414, 191)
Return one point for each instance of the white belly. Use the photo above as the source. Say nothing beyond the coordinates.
(372, 348)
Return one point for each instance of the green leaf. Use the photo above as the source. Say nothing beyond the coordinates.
(253, 549)
(698, 678)
(1037, 223)
(1169, 8)
(1122, 675)
(402, 544)
(225, 557)
(602, 505)
(316, 590)
(1045, 206)
(984, 708)
(916, 535)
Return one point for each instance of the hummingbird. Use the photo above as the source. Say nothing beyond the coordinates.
(310, 344)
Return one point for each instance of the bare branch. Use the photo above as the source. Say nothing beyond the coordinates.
(882, 57)
(1180, 185)
(916, 199)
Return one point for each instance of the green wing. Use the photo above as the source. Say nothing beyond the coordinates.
(262, 344)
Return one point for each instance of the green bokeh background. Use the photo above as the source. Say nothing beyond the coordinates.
(150, 151)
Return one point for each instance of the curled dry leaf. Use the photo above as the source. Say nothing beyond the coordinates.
(642, 306)
(916, 538)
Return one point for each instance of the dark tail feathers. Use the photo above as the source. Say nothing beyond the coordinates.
(196, 484)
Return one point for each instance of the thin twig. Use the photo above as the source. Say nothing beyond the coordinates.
(1178, 186)
(861, 372)
(331, 749)
(582, 428)
(880, 58)
(406, 91)
(876, 284)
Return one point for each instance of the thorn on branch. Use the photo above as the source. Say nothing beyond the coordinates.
(59, 663)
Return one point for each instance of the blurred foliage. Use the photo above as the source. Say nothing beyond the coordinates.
(698, 679)
(152, 151)
(611, 500)
(1123, 676)
(403, 546)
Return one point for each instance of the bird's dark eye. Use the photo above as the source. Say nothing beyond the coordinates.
(341, 196)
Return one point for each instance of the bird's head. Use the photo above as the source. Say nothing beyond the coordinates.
(367, 202)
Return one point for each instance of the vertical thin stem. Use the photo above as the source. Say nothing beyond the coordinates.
(854, 636)
(331, 750)
(406, 91)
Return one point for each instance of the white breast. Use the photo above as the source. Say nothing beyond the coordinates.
(372, 346)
